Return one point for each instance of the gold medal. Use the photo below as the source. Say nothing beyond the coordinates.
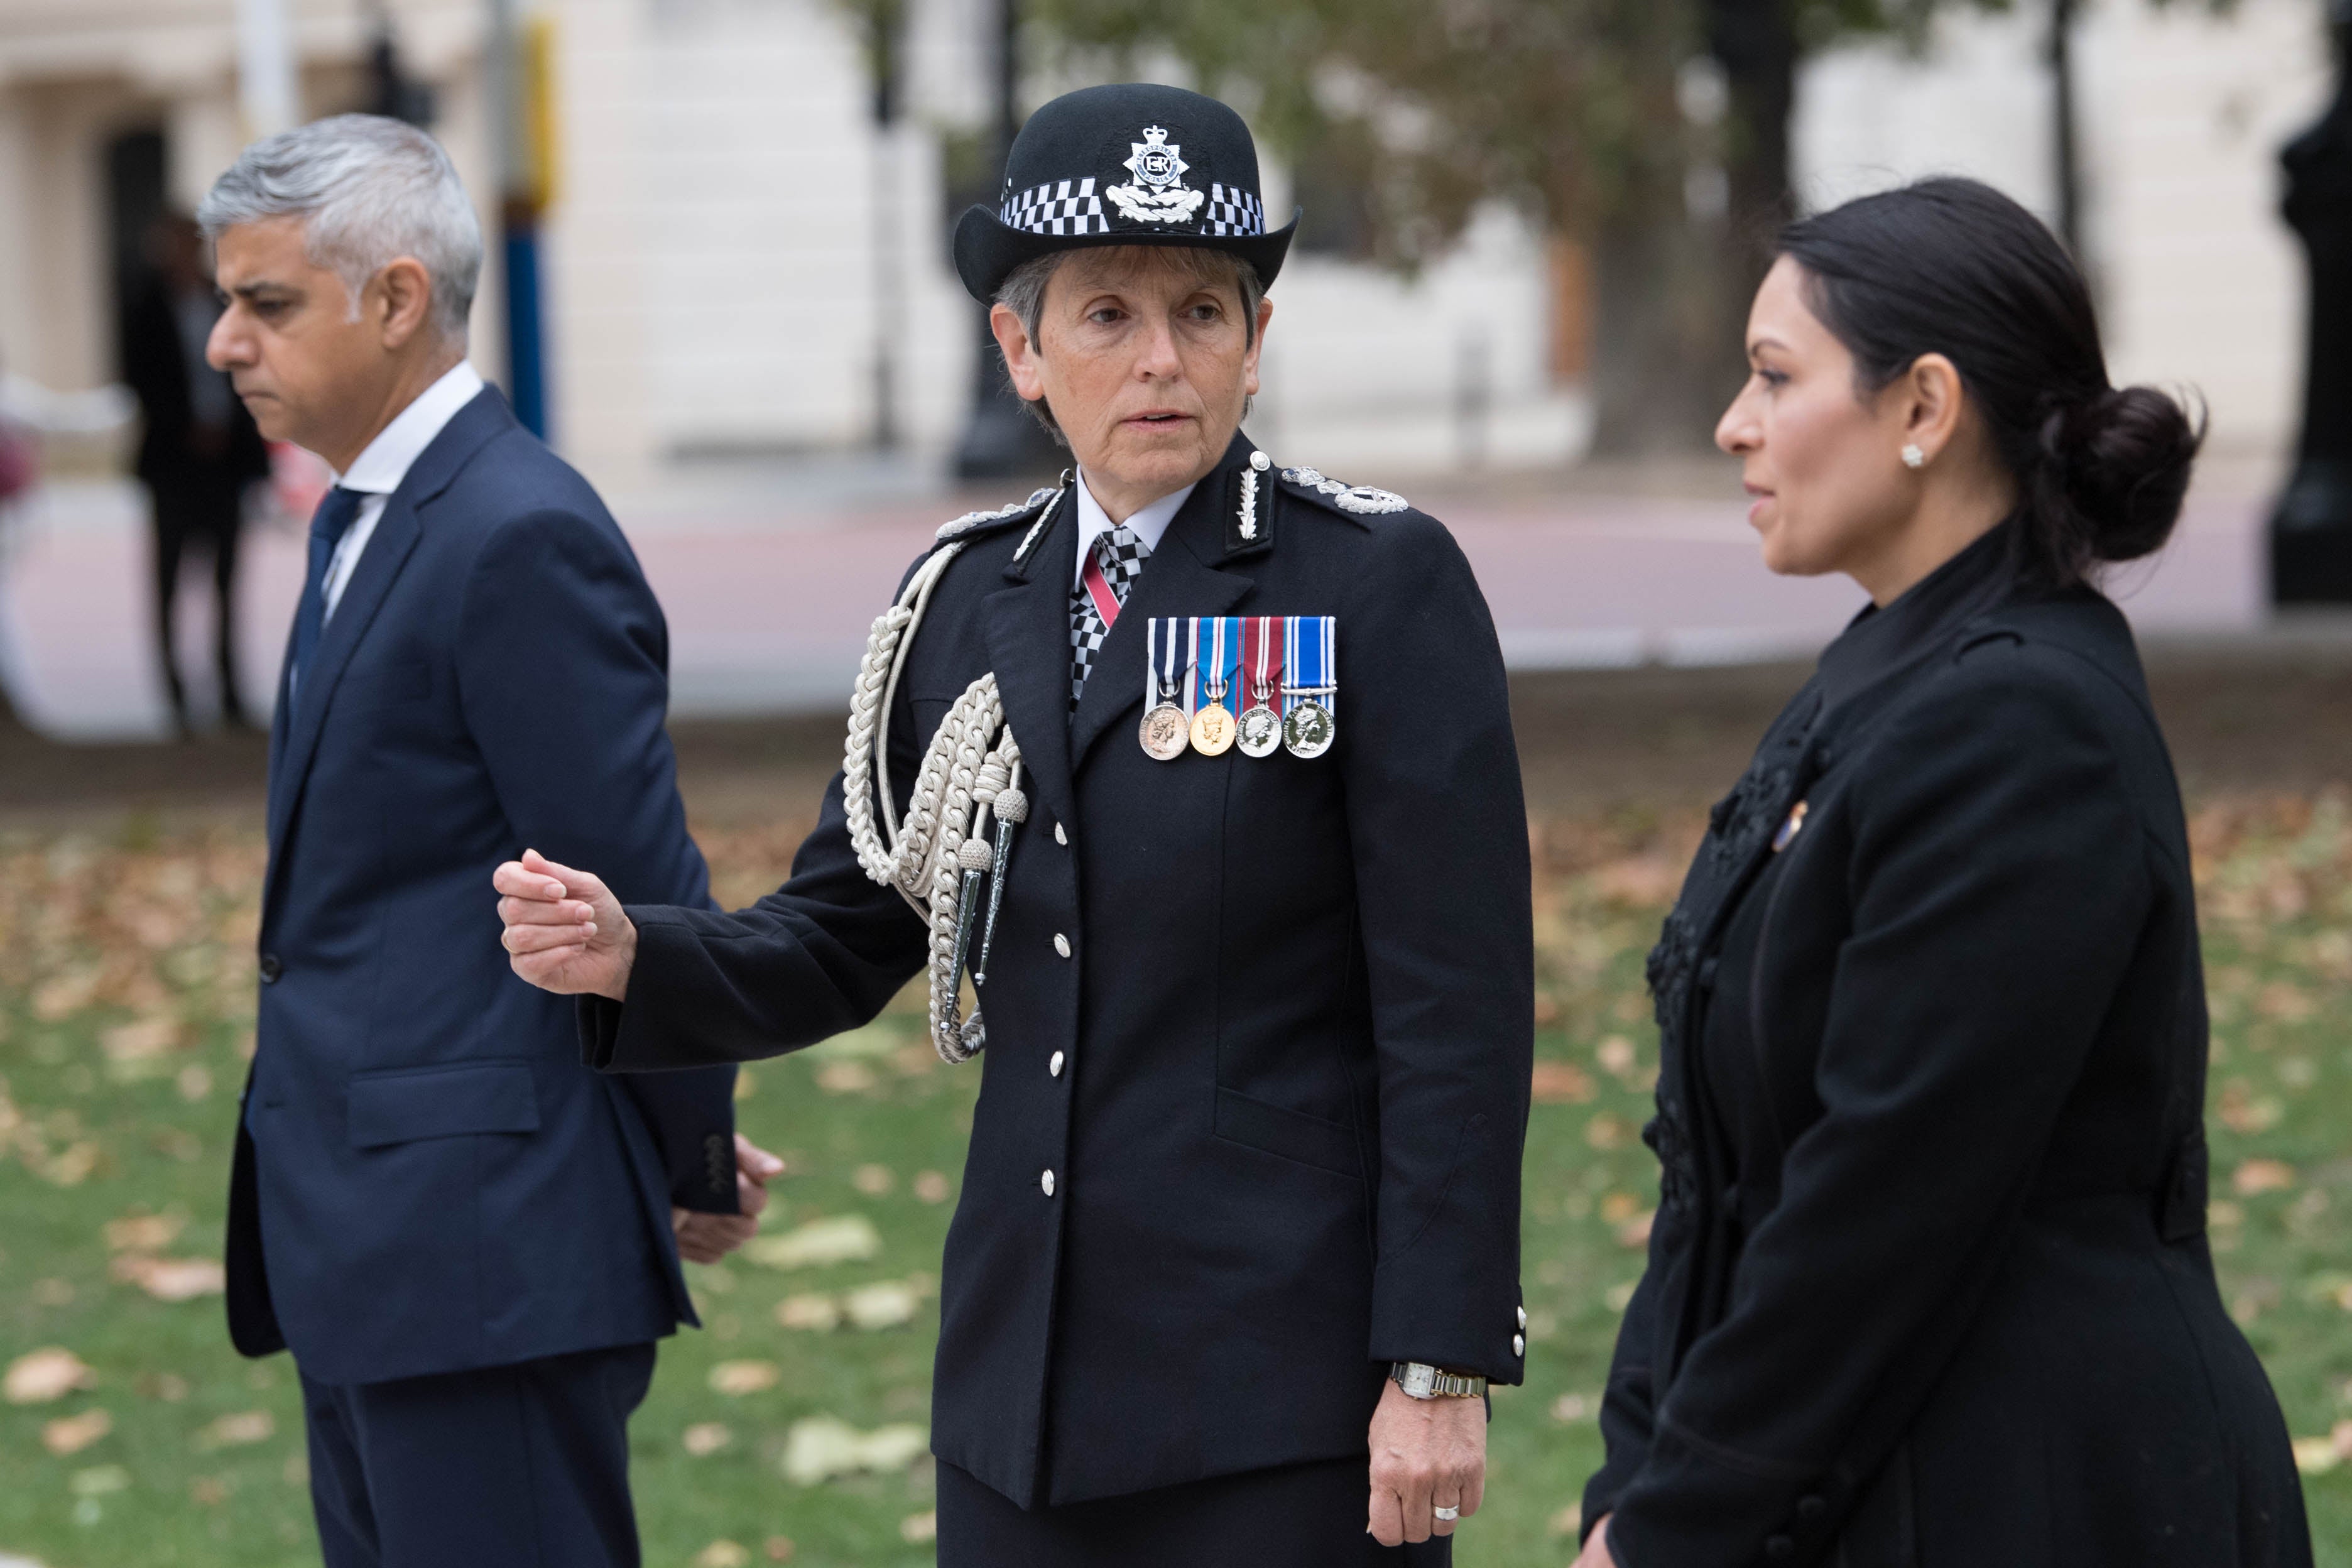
(1260, 731)
(1164, 733)
(1212, 731)
(1307, 732)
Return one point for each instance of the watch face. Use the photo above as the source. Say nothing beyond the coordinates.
(1418, 1381)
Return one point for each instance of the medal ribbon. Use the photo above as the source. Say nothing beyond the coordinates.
(1259, 638)
(1162, 640)
(1308, 656)
(1217, 659)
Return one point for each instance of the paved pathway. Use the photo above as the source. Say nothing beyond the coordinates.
(770, 597)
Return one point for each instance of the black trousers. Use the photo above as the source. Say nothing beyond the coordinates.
(508, 1466)
(1298, 1516)
(202, 513)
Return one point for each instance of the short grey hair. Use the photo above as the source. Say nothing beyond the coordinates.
(367, 191)
(1023, 293)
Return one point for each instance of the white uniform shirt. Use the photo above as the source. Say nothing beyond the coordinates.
(377, 471)
(1150, 523)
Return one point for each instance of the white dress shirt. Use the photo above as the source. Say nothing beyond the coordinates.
(1150, 522)
(376, 472)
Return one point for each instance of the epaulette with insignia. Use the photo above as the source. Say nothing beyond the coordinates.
(1362, 500)
(973, 523)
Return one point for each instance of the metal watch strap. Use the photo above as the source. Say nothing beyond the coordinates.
(1418, 1380)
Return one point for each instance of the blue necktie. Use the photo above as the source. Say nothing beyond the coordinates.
(337, 509)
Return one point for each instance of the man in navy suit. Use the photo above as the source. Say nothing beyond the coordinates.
(469, 1241)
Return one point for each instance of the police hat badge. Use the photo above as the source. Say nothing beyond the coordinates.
(1134, 164)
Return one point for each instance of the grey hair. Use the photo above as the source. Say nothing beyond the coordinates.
(1023, 293)
(367, 191)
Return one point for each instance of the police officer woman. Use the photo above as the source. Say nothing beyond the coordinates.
(1202, 771)
(1928, 1283)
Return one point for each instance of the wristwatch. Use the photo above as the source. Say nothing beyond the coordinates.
(1422, 1381)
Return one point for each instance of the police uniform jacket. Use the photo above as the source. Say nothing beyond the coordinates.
(1929, 1282)
(1255, 1089)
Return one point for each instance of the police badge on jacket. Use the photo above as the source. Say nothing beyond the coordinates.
(1196, 769)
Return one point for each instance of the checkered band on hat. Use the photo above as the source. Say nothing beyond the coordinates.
(1058, 206)
(1234, 211)
(1121, 552)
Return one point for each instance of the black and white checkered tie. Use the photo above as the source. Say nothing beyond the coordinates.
(1120, 554)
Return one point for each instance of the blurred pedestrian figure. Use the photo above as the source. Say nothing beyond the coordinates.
(469, 1241)
(1929, 1282)
(200, 453)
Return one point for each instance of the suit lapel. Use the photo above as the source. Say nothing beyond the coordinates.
(295, 727)
(1028, 628)
(1179, 580)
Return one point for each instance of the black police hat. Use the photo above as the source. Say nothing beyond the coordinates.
(1136, 163)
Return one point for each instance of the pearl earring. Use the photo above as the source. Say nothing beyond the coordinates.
(1913, 457)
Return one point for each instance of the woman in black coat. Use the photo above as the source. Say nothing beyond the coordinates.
(1929, 1282)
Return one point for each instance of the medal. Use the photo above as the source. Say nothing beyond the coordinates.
(1307, 725)
(1261, 727)
(1213, 726)
(1164, 733)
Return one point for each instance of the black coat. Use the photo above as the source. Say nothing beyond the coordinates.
(1928, 1281)
(426, 1179)
(1295, 1019)
(157, 367)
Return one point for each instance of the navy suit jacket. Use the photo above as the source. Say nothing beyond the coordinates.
(427, 1179)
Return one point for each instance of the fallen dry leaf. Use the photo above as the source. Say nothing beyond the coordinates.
(706, 1437)
(142, 1041)
(45, 1375)
(1573, 1408)
(1560, 1083)
(884, 1306)
(2240, 1112)
(846, 1078)
(737, 1378)
(1642, 880)
(2263, 1176)
(843, 1239)
(931, 1186)
(778, 1548)
(171, 1278)
(1567, 1521)
(238, 1430)
(917, 1528)
(1615, 1056)
(722, 1554)
(1635, 1232)
(816, 1313)
(873, 1181)
(138, 1232)
(1616, 1208)
(1607, 1132)
(819, 1448)
(72, 1434)
(2316, 1456)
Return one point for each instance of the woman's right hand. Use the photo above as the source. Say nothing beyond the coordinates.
(1596, 1548)
(565, 932)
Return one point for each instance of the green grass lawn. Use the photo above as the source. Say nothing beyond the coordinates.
(126, 1010)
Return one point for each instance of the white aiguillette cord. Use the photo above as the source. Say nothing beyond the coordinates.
(936, 857)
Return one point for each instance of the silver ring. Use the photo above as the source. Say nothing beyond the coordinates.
(1448, 1514)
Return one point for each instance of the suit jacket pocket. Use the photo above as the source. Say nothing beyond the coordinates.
(1292, 1134)
(400, 1105)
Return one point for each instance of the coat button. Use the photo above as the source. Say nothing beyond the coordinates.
(1523, 1317)
(1061, 837)
(1054, 1066)
(270, 969)
(1810, 1508)
(1780, 1548)
(1518, 1344)
(1060, 945)
(1047, 1182)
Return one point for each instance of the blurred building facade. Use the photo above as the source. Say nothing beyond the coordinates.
(733, 240)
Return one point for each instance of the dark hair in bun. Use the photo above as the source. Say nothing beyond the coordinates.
(1953, 266)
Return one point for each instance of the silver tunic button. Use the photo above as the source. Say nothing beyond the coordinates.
(1518, 1341)
(1061, 837)
(1047, 1183)
(1060, 945)
(1523, 1317)
(1054, 1066)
